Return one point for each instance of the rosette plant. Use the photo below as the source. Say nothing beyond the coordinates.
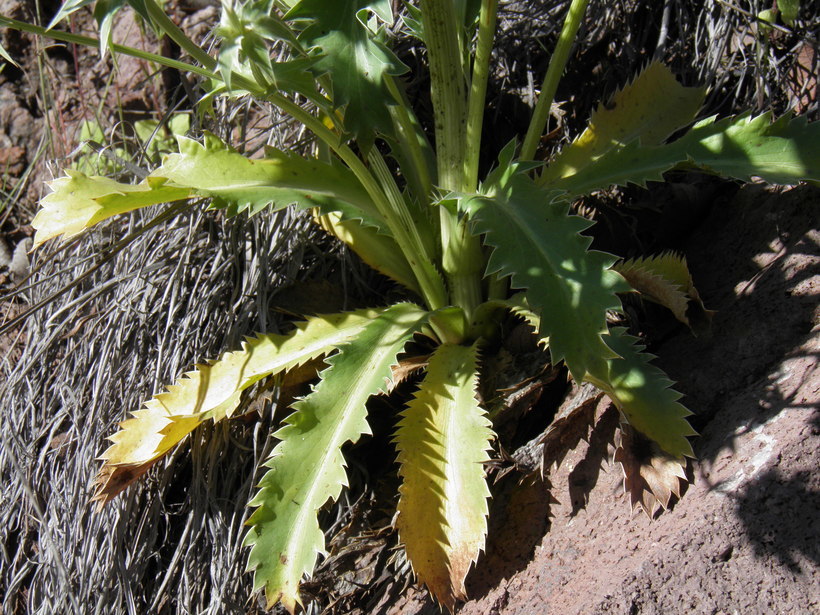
(469, 250)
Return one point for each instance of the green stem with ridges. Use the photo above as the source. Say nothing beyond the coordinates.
(478, 90)
(461, 252)
(558, 62)
(412, 227)
(448, 89)
(429, 282)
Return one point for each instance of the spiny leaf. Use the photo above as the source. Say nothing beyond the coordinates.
(79, 201)
(280, 178)
(785, 151)
(651, 475)
(210, 169)
(644, 395)
(665, 279)
(353, 57)
(306, 468)
(781, 151)
(538, 244)
(443, 439)
(650, 108)
(213, 391)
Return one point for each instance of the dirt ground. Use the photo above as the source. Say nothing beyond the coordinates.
(744, 538)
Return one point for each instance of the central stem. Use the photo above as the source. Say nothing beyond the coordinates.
(461, 259)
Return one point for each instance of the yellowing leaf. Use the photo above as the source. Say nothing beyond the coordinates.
(279, 178)
(443, 439)
(650, 108)
(79, 201)
(210, 170)
(377, 250)
(213, 391)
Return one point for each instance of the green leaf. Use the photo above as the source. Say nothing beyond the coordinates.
(538, 244)
(650, 108)
(104, 13)
(789, 10)
(67, 8)
(643, 394)
(306, 468)
(212, 169)
(207, 170)
(160, 137)
(213, 391)
(785, 151)
(246, 30)
(353, 57)
(443, 438)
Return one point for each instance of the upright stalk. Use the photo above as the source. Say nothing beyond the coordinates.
(461, 251)
(558, 62)
(448, 89)
(478, 90)
(413, 140)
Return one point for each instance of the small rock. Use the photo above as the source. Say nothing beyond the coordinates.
(20, 266)
(12, 161)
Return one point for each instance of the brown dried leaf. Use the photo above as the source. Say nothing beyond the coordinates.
(651, 476)
(112, 480)
(405, 368)
(665, 279)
